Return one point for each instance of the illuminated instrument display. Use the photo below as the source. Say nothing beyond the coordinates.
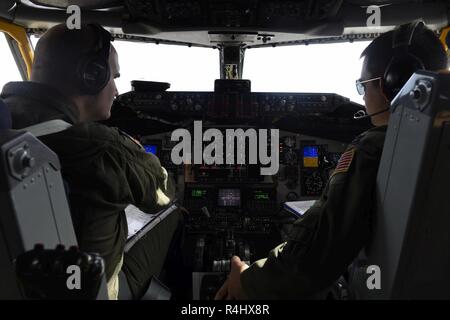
(229, 198)
(150, 148)
(311, 157)
(261, 195)
(199, 193)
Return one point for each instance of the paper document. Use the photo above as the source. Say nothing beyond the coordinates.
(137, 219)
(298, 207)
(139, 222)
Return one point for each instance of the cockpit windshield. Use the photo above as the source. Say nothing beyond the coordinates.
(7, 64)
(185, 68)
(330, 67)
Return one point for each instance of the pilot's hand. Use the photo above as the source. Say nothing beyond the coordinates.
(231, 289)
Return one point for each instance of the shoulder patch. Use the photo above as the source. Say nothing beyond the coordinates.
(344, 161)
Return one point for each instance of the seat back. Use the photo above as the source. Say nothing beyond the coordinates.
(409, 255)
(34, 207)
(5, 117)
(33, 202)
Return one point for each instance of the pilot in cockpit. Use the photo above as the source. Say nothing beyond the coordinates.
(329, 236)
(72, 85)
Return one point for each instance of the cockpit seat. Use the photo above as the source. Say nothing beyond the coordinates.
(409, 253)
(5, 117)
(34, 208)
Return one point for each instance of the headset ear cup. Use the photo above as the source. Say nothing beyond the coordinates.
(399, 70)
(388, 80)
(383, 90)
(93, 73)
(393, 77)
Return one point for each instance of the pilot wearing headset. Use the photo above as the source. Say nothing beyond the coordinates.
(72, 85)
(329, 236)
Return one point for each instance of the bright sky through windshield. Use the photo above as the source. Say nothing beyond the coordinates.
(189, 69)
(313, 68)
(330, 68)
(9, 71)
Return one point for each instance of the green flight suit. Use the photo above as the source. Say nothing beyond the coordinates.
(106, 171)
(327, 238)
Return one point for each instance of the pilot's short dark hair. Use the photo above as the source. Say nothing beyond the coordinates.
(425, 45)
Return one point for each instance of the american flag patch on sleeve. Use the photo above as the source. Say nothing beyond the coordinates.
(345, 161)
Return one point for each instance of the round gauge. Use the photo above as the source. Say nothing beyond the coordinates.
(314, 184)
(292, 196)
(289, 142)
(290, 157)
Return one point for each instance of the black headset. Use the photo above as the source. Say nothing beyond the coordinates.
(401, 66)
(93, 70)
(403, 63)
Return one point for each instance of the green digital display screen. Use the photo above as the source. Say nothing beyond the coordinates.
(261, 195)
(198, 193)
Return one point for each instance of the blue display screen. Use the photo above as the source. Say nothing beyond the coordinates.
(310, 152)
(150, 148)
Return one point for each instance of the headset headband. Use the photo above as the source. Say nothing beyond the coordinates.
(403, 63)
(93, 70)
(403, 36)
(104, 39)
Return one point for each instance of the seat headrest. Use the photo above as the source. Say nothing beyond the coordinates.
(5, 116)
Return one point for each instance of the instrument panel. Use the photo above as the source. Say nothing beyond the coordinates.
(248, 200)
(231, 105)
(305, 164)
(233, 208)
